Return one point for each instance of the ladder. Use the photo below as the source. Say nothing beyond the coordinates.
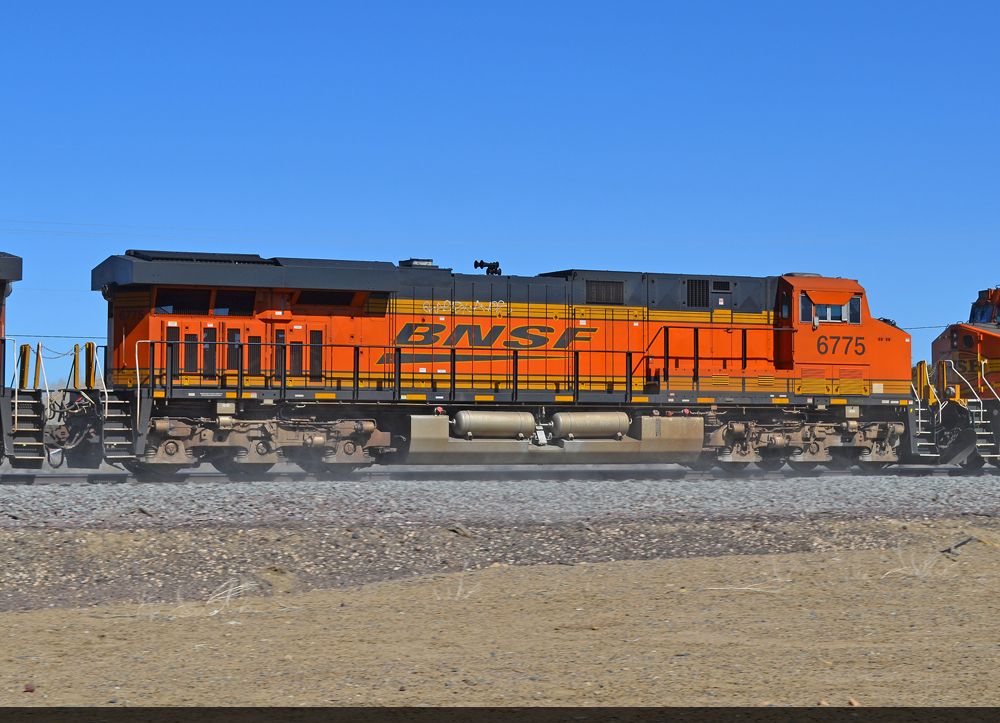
(926, 412)
(117, 439)
(924, 428)
(986, 442)
(29, 416)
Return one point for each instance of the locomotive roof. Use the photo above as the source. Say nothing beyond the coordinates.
(137, 266)
(10, 267)
(212, 269)
(421, 279)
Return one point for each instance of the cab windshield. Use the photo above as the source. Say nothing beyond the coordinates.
(982, 314)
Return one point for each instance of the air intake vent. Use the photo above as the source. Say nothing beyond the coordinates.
(697, 293)
(197, 257)
(605, 292)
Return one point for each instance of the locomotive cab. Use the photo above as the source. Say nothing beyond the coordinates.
(824, 328)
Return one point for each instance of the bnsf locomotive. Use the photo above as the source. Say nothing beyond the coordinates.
(239, 362)
(967, 372)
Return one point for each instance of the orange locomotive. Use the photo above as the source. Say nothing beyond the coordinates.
(241, 361)
(961, 393)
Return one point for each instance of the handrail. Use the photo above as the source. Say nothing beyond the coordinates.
(104, 385)
(959, 374)
(348, 366)
(45, 379)
(15, 382)
(982, 373)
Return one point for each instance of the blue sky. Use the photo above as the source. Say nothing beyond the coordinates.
(859, 139)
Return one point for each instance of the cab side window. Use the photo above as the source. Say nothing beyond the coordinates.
(831, 313)
(784, 306)
(805, 309)
(854, 310)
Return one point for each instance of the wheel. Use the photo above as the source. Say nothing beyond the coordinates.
(802, 467)
(841, 462)
(314, 465)
(771, 464)
(872, 467)
(973, 462)
(733, 468)
(241, 470)
(704, 463)
(155, 472)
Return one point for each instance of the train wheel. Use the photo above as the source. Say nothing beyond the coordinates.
(155, 472)
(733, 468)
(872, 467)
(314, 465)
(704, 463)
(241, 470)
(973, 463)
(841, 461)
(802, 467)
(771, 464)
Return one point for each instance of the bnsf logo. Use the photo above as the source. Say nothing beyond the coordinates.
(530, 336)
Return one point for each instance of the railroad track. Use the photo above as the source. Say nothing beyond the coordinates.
(513, 473)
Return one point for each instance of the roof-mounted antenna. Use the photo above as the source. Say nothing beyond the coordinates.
(492, 267)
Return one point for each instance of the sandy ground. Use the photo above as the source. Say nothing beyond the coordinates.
(901, 625)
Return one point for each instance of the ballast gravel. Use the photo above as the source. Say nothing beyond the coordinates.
(79, 544)
(492, 501)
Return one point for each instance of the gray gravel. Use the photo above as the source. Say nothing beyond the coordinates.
(493, 502)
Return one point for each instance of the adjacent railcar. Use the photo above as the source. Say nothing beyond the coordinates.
(967, 377)
(10, 271)
(241, 361)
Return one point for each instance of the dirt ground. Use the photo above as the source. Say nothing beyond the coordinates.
(899, 626)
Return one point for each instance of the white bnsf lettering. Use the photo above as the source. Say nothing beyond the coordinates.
(529, 336)
(494, 308)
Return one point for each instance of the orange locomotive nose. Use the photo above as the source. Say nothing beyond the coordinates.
(970, 351)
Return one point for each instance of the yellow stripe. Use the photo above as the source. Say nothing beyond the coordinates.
(159, 394)
(564, 398)
(640, 399)
(413, 396)
(904, 402)
(426, 307)
(838, 401)
(779, 400)
(230, 395)
(326, 395)
(705, 400)
(484, 397)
